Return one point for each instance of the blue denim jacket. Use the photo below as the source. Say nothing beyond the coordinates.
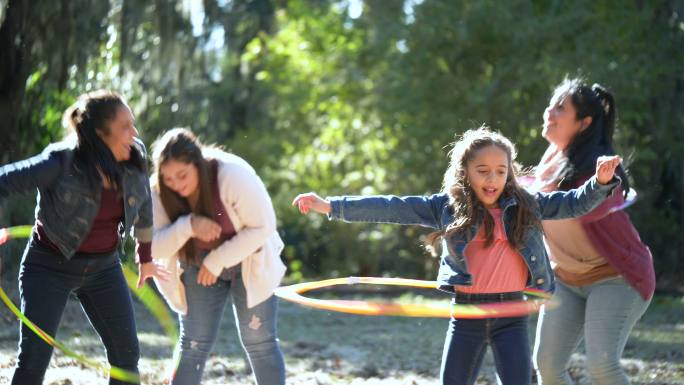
(434, 212)
(67, 205)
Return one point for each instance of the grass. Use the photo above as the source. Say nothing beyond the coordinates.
(323, 347)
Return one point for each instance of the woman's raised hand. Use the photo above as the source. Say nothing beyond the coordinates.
(311, 201)
(605, 168)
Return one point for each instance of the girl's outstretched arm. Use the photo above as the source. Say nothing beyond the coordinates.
(311, 201)
(426, 211)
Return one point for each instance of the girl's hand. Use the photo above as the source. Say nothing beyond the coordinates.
(311, 201)
(149, 270)
(605, 168)
(204, 228)
(205, 277)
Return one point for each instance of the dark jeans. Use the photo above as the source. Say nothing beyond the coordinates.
(466, 343)
(46, 279)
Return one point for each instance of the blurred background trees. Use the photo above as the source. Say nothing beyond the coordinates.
(355, 97)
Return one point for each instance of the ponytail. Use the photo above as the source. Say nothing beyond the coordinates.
(597, 139)
(608, 106)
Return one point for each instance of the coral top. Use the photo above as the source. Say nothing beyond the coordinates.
(498, 268)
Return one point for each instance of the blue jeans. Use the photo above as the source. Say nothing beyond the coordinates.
(465, 345)
(46, 279)
(602, 313)
(199, 329)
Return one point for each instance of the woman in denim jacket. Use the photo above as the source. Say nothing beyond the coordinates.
(92, 190)
(492, 244)
(604, 272)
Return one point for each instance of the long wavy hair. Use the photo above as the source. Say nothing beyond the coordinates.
(91, 114)
(467, 209)
(181, 145)
(595, 140)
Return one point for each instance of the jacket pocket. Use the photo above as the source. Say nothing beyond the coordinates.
(70, 196)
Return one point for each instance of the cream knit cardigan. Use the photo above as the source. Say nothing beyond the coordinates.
(256, 245)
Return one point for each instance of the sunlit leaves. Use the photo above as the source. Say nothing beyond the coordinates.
(361, 97)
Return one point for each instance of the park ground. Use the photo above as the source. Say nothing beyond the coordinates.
(323, 347)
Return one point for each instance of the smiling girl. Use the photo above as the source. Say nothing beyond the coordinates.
(491, 241)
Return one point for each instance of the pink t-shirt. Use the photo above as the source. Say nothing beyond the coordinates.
(498, 268)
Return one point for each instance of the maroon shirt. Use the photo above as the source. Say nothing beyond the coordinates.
(615, 238)
(103, 237)
(219, 214)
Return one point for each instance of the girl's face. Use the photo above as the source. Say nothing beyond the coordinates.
(121, 133)
(181, 177)
(560, 121)
(487, 173)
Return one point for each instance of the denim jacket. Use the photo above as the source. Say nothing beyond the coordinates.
(434, 212)
(67, 205)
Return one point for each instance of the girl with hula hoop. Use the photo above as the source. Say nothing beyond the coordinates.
(491, 241)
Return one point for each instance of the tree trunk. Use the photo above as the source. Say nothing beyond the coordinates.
(14, 46)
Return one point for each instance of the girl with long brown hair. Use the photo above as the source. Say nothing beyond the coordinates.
(491, 243)
(215, 230)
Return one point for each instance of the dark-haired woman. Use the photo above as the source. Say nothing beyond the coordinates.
(92, 190)
(215, 230)
(605, 276)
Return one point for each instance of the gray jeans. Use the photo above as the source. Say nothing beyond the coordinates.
(200, 329)
(602, 313)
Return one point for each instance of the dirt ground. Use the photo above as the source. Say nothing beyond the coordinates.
(323, 347)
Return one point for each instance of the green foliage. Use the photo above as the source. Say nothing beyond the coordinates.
(319, 101)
